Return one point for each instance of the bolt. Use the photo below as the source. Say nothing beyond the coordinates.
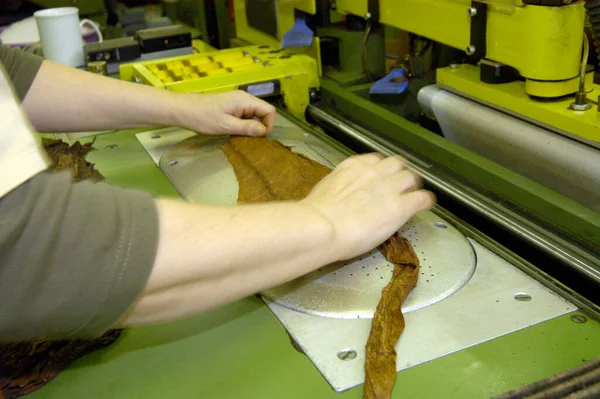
(472, 12)
(368, 16)
(111, 146)
(579, 319)
(173, 163)
(580, 107)
(523, 297)
(313, 95)
(471, 50)
(347, 355)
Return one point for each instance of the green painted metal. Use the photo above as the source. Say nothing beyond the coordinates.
(569, 218)
(128, 165)
(241, 351)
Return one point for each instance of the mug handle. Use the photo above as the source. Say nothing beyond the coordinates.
(93, 25)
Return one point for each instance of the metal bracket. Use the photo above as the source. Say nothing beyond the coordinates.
(478, 47)
(374, 10)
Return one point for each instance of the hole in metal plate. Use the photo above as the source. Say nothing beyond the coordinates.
(523, 297)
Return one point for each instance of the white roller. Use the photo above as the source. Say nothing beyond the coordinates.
(564, 165)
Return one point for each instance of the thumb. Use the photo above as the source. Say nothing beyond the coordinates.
(244, 127)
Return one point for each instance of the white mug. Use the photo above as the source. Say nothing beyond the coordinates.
(60, 34)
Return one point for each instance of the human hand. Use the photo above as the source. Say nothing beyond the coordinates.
(366, 199)
(231, 113)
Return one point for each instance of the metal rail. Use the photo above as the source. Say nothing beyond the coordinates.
(539, 237)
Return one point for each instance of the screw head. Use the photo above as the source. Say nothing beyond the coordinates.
(347, 354)
(368, 15)
(454, 65)
(112, 146)
(156, 136)
(578, 318)
(472, 12)
(173, 163)
(470, 50)
(441, 225)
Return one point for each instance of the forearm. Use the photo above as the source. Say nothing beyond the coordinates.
(210, 256)
(67, 99)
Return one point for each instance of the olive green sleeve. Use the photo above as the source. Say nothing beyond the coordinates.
(21, 68)
(73, 257)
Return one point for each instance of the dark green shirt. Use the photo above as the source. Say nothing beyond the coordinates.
(21, 68)
(73, 257)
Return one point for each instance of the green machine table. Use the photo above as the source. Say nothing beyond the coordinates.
(242, 351)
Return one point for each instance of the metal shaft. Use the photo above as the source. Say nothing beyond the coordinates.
(537, 236)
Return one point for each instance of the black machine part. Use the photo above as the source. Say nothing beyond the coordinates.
(114, 50)
(164, 38)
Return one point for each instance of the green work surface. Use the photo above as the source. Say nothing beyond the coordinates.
(241, 350)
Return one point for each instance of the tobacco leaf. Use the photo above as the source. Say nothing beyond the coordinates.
(71, 158)
(388, 321)
(268, 171)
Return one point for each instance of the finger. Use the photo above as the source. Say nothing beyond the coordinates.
(417, 201)
(392, 165)
(404, 181)
(365, 159)
(243, 127)
(262, 110)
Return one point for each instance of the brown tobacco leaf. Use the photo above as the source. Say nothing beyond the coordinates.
(71, 158)
(27, 366)
(388, 321)
(268, 171)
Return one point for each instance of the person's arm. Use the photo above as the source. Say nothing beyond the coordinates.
(67, 99)
(208, 256)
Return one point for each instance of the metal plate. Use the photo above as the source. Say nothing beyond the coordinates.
(352, 289)
(201, 173)
(485, 308)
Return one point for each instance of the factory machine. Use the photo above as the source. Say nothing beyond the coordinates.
(493, 102)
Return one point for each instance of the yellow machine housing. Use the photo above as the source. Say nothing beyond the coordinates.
(543, 43)
(260, 70)
(286, 17)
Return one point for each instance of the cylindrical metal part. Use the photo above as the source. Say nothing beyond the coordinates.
(535, 235)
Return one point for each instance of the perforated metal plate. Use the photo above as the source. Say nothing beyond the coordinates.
(486, 307)
(201, 173)
(352, 289)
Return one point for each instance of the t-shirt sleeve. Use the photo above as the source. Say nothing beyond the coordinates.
(73, 257)
(21, 68)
